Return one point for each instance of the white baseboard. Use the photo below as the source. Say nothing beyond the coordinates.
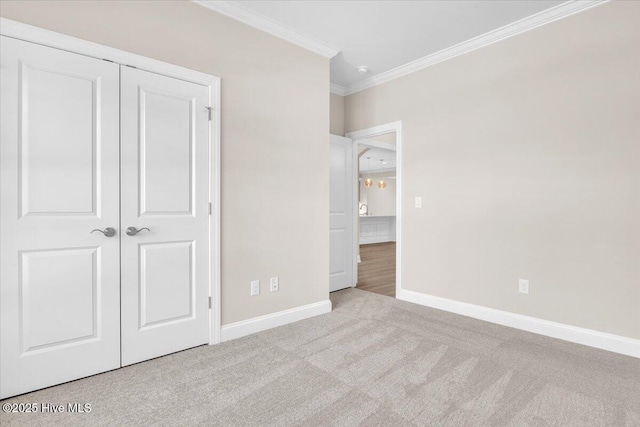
(589, 337)
(372, 240)
(273, 320)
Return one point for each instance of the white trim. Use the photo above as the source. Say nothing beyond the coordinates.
(374, 240)
(526, 24)
(337, 89)
(215, 180)
(588, 337)
(18, 30)
(355, 221)
(377, 144)
(273, 320)
(376, 131)
(256, 20)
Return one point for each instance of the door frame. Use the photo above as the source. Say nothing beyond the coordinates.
(41, 36)
(369, 133)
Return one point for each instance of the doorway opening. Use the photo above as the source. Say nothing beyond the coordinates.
(376, 198)
(378, 214)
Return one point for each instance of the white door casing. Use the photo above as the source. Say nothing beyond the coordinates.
(342, 273)
(365, 134)
(165, 188)
(59, 282)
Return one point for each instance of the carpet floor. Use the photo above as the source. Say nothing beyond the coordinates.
(372, 361)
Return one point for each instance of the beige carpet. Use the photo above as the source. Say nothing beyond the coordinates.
(372, 361)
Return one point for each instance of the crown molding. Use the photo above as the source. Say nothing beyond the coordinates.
(529, 23)
(268, 25)
(337, 89)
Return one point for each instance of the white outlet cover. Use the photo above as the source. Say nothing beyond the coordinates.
(274, 284)
(418, 202)
(255, 287)
(523, 286)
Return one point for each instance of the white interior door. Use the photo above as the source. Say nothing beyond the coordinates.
(59, 282)
(342, 273)
(165, 194)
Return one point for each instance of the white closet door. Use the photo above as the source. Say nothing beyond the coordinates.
(165, 195)
(60, 284)
(342, 265)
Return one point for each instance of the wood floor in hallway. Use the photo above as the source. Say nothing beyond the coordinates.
(377, 269)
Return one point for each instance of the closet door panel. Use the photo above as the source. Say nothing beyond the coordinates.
(60, 290)
(165, 195)
(167, 150)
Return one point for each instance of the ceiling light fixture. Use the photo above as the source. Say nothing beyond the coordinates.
(368, 182)
(381, 183)
(363, 69)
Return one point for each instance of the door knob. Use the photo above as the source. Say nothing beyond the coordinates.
(108, 232)
(132, 231)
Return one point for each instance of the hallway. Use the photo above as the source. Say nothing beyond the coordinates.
(377, 269)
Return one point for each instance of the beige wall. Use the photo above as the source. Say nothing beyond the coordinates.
(387, 138)
(337, 114)
(275, 121)
(527, 156)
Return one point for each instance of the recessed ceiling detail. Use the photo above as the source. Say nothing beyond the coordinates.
(377, 159)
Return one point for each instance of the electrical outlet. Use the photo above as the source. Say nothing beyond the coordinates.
(419, 202)
(275, 284)
(255, 287)
(523, 286)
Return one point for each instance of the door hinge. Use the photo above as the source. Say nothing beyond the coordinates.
(210, 208)
(210, 109)
(209, 302)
